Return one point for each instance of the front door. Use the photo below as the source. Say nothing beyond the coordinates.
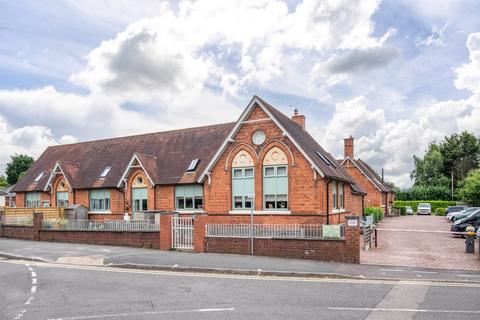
(139, 200)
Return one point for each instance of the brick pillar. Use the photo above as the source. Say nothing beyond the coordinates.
(37, 225)
(352, 239)
(3, 218)
(166, 231)
(199, 233)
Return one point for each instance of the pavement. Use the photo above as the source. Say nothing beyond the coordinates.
(51, 291)
(148, 259)
(420, 241)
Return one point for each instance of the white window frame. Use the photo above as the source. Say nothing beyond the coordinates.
(243, 196)
(275, 175)
(93, 208)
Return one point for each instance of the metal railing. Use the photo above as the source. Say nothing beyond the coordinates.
(23, 221)
(278, 231)
(99, 225)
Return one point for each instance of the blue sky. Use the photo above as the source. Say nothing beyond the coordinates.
(394, 74)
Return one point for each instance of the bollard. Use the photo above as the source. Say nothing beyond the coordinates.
(470, 240)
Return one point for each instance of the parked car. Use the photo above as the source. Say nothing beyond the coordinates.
(424, 208)
(461, 214)
(452, 209)
(464, 214)
(472, 220)
(409, 210)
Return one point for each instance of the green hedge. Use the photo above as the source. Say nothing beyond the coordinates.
(376, 212)
(440, 211)
(435, 204)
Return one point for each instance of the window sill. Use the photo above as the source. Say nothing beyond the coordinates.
(339, 211)
(99, 212)
(190, 211)
(262, 212)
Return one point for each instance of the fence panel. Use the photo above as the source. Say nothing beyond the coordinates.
(22, 221)
(98, 225)
(290, 231)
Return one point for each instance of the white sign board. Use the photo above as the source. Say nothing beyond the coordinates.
(352, 223)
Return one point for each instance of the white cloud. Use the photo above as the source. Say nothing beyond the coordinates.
(392, 144)
(30, 140)
(183, 64)
(436, 38)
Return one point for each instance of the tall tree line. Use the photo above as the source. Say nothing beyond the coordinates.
(456, 156)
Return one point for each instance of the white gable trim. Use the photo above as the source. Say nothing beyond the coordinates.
(237, 126)
(53, 174)
(363, 172)
(129, 167)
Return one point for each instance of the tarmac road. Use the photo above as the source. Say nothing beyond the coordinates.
(36, 290)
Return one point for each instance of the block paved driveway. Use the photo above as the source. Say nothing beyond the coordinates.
(420, 248)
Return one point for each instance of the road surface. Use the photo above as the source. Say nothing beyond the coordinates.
(35, 290)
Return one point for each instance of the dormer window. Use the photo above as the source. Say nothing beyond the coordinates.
(193, 165)
(105, 172)
(38, 177)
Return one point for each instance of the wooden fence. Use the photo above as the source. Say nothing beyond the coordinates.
(48, 213)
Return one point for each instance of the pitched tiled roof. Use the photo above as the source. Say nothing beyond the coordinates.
(372, 175)
(324, 160)
(166, 156)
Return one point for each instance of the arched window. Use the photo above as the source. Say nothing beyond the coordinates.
(62, 194)
(275, 180)
(243, 181)
(139, 193)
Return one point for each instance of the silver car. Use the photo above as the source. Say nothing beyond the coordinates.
(424, 208)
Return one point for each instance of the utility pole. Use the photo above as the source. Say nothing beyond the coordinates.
(252, 206)
(452, 183)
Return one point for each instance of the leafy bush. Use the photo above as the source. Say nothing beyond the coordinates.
(434, 203)
(441, 193)
(403, 210)
(440, 211)
(376, 212)
(470, 191)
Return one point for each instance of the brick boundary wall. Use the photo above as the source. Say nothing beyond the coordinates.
(115, 238)
(328, 250)
(138, 239)
(17, 232)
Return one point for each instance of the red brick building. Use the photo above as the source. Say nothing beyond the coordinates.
(379, 193)
(265, 162)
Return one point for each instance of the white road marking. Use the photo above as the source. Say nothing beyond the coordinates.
(392, 270)
(405, 310)
(400, 297)
(20, 314)
(409, 282)
(124, 315)
(468, 275)
(420, 271)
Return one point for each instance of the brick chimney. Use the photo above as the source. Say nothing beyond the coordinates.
(348, 147)
(299, 118)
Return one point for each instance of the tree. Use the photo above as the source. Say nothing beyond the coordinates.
(461, 153)
(18, 165)
(3, 182)
(429, 170)
(470, 191)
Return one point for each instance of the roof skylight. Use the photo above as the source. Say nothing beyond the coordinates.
(39, 177)
(326, 160)
(193, 165)
(105, 172)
